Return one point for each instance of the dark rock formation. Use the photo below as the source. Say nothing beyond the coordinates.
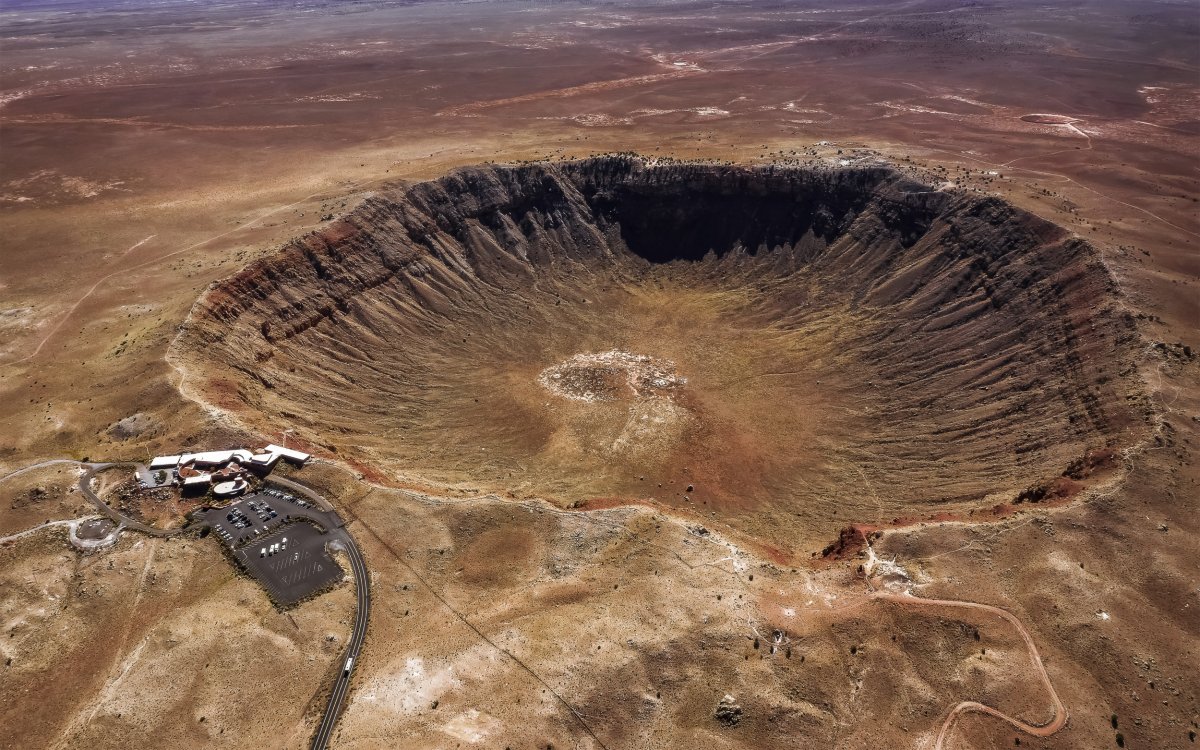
(728, 712)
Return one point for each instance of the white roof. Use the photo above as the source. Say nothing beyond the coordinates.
(230, 488)
(213, 458)
(198, 479)
(288, 453)
(164, 462)
(265, 458)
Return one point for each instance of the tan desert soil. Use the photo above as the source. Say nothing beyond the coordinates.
(146, 154)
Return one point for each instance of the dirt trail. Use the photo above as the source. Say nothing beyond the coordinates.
(71, 522)
(134, 122)
(122, 662)
(1043, 730)
(563, 93)
(39, 465)
(1077, 184)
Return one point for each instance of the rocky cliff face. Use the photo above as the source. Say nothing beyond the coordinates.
(849, 344)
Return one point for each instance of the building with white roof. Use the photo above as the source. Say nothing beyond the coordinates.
(229, 489)
(216, 458)
(194, 471)
(265, 460)
(296, 457)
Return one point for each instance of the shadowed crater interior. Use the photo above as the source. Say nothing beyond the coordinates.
(805, 348)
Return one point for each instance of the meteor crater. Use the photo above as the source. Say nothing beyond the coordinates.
(802, 347)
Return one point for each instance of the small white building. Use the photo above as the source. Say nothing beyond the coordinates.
(265, 460)
(198, 480)
(164, 462)
(229, 489)
(296, 457)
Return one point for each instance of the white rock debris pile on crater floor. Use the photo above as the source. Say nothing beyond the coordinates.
(607, 376)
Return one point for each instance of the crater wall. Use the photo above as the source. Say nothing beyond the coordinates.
(852, 345)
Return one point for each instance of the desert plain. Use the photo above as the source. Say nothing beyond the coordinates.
(624, 472)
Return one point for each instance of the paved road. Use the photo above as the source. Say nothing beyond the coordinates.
(85, 486)
(326, 517)
(362, 587)
(341, 685)
(362, 579)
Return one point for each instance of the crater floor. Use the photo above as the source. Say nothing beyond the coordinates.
(784, 350)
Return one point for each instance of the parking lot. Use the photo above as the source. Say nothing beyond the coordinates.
(255, 515)
(291, 562)
(278, 538)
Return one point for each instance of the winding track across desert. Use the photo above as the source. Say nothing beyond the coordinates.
(1043, 730)
(72, 523)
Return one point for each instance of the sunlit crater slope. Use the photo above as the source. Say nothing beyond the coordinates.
(804, 348)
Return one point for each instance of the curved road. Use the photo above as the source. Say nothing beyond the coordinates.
(362, 585)
(85, 486)
(69, 522)
(41, 464)
(1060, 710)
(362, 579)
(341, 683)
(362, 611)
(292, 484)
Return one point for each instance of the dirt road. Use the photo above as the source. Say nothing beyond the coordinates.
(1043, 730)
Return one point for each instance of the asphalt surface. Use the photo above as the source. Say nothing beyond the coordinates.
(321, 502)
(341, 685)
(85, 486)
(327, 517)
(260, 519)
(362, 580)
(285, 511)
(299, 568)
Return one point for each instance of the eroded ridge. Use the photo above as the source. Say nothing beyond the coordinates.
(840, 330)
